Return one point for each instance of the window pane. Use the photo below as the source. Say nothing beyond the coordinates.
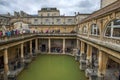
(116, 22)
(115, 26)
(116, 32)
(98, 33)
(94, 29)
(85, 29)
(108, 31)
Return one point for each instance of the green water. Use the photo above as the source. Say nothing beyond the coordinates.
(53, 67)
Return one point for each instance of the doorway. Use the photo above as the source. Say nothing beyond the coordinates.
(1, 63)
(43, 48)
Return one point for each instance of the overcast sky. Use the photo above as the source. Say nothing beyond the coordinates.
(67, 7)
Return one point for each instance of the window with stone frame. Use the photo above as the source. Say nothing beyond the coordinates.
(47, 21)
(58, 21)
(35, 21)
(113, 29)
(69, 21)
(85, 30)
(48, 14)
(94, 30)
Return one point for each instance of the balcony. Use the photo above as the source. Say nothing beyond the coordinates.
(13, 38)
(57, 34)
(94, 36)
(108, 42)
(8, 39)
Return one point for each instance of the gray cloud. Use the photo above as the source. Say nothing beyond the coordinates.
(67, 7)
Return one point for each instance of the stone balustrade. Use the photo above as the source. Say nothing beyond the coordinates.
(109, 42)
(14, 37)
(112, 40)
(20, 36)
(94, 36)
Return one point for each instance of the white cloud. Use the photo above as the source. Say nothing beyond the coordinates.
(67, 7)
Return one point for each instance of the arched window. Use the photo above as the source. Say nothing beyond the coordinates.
(85, 30)
(79, 30)
(113, 29)
(94, 30)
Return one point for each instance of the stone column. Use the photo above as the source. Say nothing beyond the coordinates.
(6, 67)
(39, 46)
(88, 61)
(31, 48)
(102, 61)
(78, 44)
(82, 57)
(82, 53)
(63, 46)
(82, 47)
(22, 53)
(49, 45)
(89, 53)
(77, 54)
(36, 46)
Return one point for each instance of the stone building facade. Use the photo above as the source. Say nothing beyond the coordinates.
(97, 37)
(105, 3)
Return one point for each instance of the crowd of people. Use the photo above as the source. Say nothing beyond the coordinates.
(50, 31)
(55, 31)
(9, 33)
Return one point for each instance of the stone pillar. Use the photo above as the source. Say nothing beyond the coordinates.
(82, 57)
(102, 61)
(6, 67)
(63, 46)
(31, 48)
(78, 44)
(36, 46)
(89, 53)
(22, 53)
(49, 45)
(77, 54)
(82, 53)
(39, 46)
(88, 61)
(82, 47)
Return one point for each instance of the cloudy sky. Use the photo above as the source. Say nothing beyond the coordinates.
(67, 7)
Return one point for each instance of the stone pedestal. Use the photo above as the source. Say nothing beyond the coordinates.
(74, 52)
(5, 77)
(100, 78)
(22, 62)
(82, 64)
(87, 72)
(36, 51)
(91, 74)
(82, 56)
(77, 57)
(93, 77)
